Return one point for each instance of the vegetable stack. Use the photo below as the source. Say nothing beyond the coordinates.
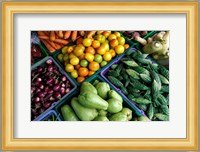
(96, 102)
(145, 83)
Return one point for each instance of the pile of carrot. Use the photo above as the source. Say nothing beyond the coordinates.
(55, 40)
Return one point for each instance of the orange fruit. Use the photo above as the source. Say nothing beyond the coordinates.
(77, 66)
(100, 38)
(71, 55)
(112, 36)
(89, 57)
(94, 66)
(69, 68)
(121, 40)
(82, 46)
(64, 50)
(99, 32)
(83, 72)
(114, 42)
(90, 50)
(98, 58)
(126, 46)
(81, 57)
(79, 40)
(78, 51)
(87, 42)
(106, 45)
(66, 62)
(101, 50)
(112, 52)
(95, 44)
(80, 79)
(117, 34)
(107, 56)
(90, 73)
(119, 49)
(103, 63)
(74, 61)
(84, 63)
(70, 49)
(106, 34)
(74, 74)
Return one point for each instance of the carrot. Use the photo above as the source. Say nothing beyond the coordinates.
(47, 33)
(52, 36)
(61, 41)
(49, 47)
(60, 34)
(42, 33)
(56, 36)
(79, 40)
(82, 33)
(43, 37)
(52, 44)
(67, 34)
(74, 35)
(58, 46)
(90, 34)
(56, 33)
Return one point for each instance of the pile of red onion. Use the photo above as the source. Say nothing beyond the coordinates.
(48, 85)
(35, 53)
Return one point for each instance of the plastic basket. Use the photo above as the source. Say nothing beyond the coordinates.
(126, 103)
(48, 115)
(104, 72)
(55, 56)
(137, 44)
(44, 54)
(73, 85)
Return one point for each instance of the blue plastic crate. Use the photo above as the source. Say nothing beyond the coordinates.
(73, 85)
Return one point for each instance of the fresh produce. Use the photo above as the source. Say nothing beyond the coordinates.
(36, 53)
(115, 95)
(68, 114)
(101, 118)
(89, 106)
(145, 83)
(102, 89)
(86, 86)
(92, 100)
(92, 51)
(158, 46)
(55, 40)
(114, 105)
(127, 112)
(84, 113)
(136, 36)
(48, 85)
(118, 117)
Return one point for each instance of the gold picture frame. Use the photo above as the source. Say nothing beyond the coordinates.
(11, 8)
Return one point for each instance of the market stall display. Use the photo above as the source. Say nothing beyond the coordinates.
(100, 76)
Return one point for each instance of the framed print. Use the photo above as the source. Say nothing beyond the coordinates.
(68, 66)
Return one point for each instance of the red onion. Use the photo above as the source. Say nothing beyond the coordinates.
(49, 61)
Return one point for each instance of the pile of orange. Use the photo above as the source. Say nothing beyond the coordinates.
(91, 53)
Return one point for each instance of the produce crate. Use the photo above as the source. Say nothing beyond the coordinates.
(98, 71)
(103, 75)
(117, 61)
(44, 54)
(49, 115)
(126, 103)
(137, 44)
(73, 85)
(52, 54)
